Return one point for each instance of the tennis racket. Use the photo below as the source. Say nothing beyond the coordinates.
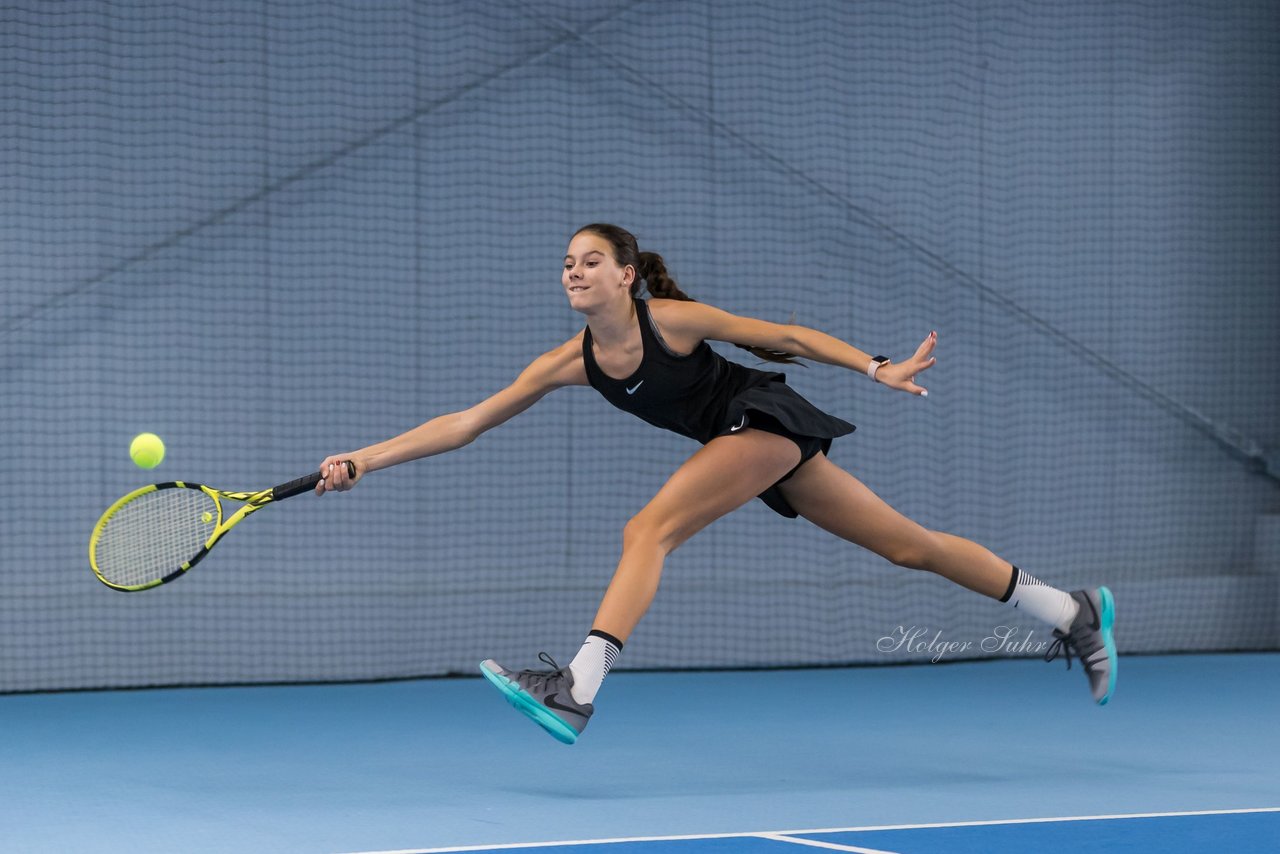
(155, 534)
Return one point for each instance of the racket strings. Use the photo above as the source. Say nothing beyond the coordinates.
(153, 535)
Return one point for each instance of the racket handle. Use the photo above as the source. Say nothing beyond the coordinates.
(304, 484)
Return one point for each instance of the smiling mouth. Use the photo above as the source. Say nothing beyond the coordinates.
(577, 289)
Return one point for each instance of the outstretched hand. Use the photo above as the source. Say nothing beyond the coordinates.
(902, 375)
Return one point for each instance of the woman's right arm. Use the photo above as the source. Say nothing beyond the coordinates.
(553, 369)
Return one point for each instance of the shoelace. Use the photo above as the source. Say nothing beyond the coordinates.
(1062, 646)
(539, 678)
(1066, 645)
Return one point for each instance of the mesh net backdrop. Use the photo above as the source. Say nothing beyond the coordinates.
(270, 232)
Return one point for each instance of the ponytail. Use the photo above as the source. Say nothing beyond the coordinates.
(657, 281)
(771, 355)
(652, 270)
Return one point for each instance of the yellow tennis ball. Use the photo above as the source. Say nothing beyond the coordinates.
(146, 450)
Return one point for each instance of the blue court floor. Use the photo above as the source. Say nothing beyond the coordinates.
(846, 760)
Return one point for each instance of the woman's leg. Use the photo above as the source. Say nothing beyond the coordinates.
(725, 474)
(836, 501)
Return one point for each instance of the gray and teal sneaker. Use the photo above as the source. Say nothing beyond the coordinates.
(544, 696)
(1091, 640)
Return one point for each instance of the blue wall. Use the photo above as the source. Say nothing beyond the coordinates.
(272, 232)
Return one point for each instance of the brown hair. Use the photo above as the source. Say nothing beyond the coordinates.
(652, 270)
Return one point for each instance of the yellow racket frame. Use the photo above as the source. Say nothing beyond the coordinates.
(253, 501)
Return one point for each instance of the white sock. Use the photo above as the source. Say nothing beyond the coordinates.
(1030, 594)
(591, 665)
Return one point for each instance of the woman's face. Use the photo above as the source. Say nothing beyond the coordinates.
(591, 276)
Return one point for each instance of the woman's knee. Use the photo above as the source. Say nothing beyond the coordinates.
(652, 530)
(915, 552)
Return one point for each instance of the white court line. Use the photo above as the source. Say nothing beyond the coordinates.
(1023, 821)
(775, 833)
(830, 846)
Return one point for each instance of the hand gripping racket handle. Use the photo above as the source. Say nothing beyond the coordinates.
(303, 484)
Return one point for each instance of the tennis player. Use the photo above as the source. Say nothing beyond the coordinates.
(759, 439)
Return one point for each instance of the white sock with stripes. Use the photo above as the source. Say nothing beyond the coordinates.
(1030, 594)
(592, 663)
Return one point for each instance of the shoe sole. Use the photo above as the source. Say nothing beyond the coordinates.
(1108, 639)
(531, 708)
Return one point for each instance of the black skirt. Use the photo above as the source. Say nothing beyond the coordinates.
(775, 407)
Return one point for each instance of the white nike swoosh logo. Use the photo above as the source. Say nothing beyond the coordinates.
(741, 424)
(632, 390)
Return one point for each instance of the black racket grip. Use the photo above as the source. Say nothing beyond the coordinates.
(303, 484)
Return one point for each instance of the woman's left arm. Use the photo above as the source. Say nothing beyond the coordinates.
(702, 321)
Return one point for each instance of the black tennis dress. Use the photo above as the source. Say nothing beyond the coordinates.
(703, 395)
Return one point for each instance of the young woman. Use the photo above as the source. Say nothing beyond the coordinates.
(759, 439)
